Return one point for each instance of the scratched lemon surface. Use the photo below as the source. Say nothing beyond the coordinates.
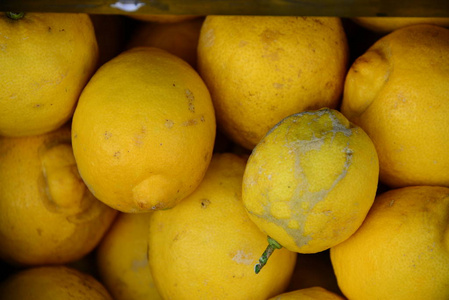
(311, 180)
(143, 131)
(211, 244)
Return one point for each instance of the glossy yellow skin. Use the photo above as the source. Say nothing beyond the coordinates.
(47, 214)
(260, 69)
(206, 246)
(385, 25)
(311, 180)
(397, 92)
(312, 293)
(122, 259)
(143, 131)
(401, 250)
(52, 283)
(46, 59)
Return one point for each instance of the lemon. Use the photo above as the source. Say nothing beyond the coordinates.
(143, 131)
(403, 106)
(206, 246)
(388, 24)
(122, 260)
(47, 214)
(401, 249)
(46, 60)
(52, 283)
(179, 38)
(311, 180)
(260, 69)
(312, 293)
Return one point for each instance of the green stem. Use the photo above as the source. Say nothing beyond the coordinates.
(272, 245)
(15, 15)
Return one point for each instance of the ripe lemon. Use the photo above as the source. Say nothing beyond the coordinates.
(143, 131)
(311, 180)
(312, 293)
(122, 259)
(180, 38)
(206, 246)
(403, 106)
(52, 282)
(401, 249)
(387, 24)
(260, 69)
(46, 60)
(47, 214)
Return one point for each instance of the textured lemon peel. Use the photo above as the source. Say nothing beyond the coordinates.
(298, 213)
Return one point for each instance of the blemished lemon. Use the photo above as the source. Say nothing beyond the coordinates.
(311, 293)
(403, 106)
(311, 180)
(180, 38)
(401, 250)
(122, 260)
(206, 246)
(52, 283)
(260, 69)
(46, 59)
(47, 214)
(388, 24)
(143, 131)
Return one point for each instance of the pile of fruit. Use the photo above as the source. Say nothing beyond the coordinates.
(223, 157)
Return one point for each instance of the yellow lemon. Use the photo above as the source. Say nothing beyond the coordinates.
(52, 283)
(122, 259)
(180, 38)
(260, 69)
(47, 214)
(398, 93)
(312, 293)
(143, 131)
(206, 246)
(311, 180)
(401, 250)
(387, 24)
(46, 60)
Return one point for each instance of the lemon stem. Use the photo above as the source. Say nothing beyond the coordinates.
(272, 245)
(15, 15)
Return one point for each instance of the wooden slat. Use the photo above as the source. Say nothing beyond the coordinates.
(342, 8)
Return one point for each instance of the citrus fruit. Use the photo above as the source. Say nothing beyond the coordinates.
(206, 246)
(311, 293)
(311, 180)
(180, 38)
(387, 24)
(401, 249)
(47, 214)
(122, 259)
(143, 131)
(403, 106)
(52, 282)
(46, 60)
(260, 69)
